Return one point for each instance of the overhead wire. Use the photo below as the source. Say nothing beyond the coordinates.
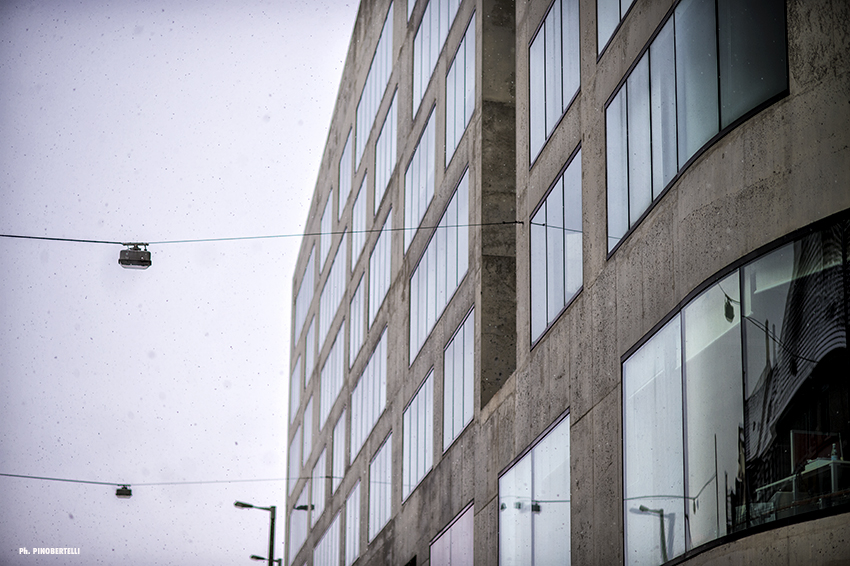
(264, 237)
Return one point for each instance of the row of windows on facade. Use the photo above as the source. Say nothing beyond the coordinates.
(710, 63)
(453, 546)
(419, 188)
(368, 401)
(441, 269)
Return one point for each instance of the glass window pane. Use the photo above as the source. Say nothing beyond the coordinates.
(555, 252)
(696, 75)
(551, 493)
(617, 169)
(663, 102)
(448, 394)
(752, 54)
(537, 94)
(457, 394)
(469, 78)
(607, 19)
(572, 226)
(468, 367)
(539, 319)
(451, 108)
(797, 394)
(640, 167)
(713, 371)
(463, 226)
(552, 29)
(653, 462)
(515, 515)
(570, 49)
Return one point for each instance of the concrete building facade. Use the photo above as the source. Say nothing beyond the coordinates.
(574, 287)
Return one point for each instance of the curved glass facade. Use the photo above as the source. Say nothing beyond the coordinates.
(736, 413)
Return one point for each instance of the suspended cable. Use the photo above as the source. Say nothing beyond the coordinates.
(61, 239)
(266, 237)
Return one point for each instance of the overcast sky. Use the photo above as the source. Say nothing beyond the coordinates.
(153, 121)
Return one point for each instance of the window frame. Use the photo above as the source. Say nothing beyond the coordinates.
(722, 132)
(577, 293)
(676, 311)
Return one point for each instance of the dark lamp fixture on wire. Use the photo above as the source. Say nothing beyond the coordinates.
(123, 492)
(134, 257)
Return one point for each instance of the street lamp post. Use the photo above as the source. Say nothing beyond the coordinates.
(273, 511)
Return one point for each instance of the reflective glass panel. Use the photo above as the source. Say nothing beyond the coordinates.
(696, 75)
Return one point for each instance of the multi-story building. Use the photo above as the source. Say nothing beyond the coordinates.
(575, 287)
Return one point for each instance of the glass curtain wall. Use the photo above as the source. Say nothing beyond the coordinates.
(737, 412)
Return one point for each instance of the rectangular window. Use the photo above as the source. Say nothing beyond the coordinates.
(418, 443)
(534, 504)
(653, 458)
(380, 268)
(428, 42)
(326, 229)
(454, 546)
(608, 16)
(345, 172)
(304, 298)
(333, 374)
(356, 322)
(376, 83)
(460, 90)
(380, 488)
(441, 267)
(352, 526)
(338, 453)
(385, 154)
(326, 552)
(459, 381)
(553, 65)
(369, 396)
(332, 292)
(298, 525)
(358, 224)
(310, 352)
(419, 181)
(294, 459)
(698, 76)
(556, 249)
(693, 362)
(308, 433)
(295, 384)
(319, 482)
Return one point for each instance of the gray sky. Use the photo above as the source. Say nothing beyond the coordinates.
(153, 121)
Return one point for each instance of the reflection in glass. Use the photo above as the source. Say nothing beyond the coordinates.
(797, 410)
(653, 459)
(752, 55)
(765, 388)
(551, 495)
(696, 75)
(534, 504)
(713, 371)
